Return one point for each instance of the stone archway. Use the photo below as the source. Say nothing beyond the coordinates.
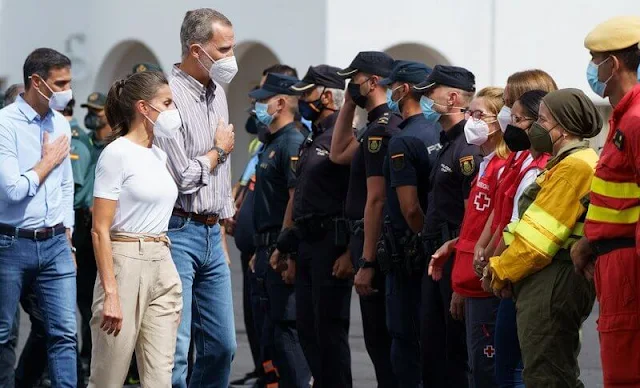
(253, 58)
(417, 52)
(120, 60)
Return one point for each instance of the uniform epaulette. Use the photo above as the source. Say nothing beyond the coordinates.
(74, 133)
(384, 120)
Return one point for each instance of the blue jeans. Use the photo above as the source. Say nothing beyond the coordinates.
(508, 362)
(403, 322)
(207, 304)
(48, 266)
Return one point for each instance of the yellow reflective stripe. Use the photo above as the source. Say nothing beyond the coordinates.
(545, 220)
(507, 235)
(508, 238)
(615, 189)
(603, 214)
(536, 237)
(578, 230)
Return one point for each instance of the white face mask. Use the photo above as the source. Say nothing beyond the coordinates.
(504, 117)
(58, 100)
(223, 70)
(167, 123)
(476, 132)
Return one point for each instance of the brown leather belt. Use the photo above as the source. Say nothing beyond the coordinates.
(121, 238)
(207, 219)
(33, 234)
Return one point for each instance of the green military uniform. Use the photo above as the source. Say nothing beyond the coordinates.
(82, 164)
(85, 150)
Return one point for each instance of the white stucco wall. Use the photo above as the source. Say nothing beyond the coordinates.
(519, 35)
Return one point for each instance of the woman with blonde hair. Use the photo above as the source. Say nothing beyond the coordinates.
(480, 307)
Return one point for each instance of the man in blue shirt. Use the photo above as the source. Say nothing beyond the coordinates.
(36, 210)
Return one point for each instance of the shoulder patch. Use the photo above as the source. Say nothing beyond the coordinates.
(467, 165)
(375, 143)
(397, 161)
(294, 163)
(618, 139)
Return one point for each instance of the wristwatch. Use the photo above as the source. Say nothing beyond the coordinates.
(222, 155)
(363, 263)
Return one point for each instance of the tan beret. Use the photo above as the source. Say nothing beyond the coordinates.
(614, 34)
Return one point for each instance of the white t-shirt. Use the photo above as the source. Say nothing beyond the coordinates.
(137, 177)
(529, 177)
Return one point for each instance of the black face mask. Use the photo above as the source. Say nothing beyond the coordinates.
(263, 132)
(516, 138)
(251, 126)
(310, 110)
(93, 122)
(354, 92)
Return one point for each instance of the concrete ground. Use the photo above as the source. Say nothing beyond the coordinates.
(361, 364)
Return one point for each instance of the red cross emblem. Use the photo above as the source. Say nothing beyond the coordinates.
(489, 351)
(482, 201)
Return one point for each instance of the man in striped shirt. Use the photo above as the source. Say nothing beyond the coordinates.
(198, 162)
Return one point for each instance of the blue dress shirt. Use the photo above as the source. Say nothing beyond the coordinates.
(25, 202)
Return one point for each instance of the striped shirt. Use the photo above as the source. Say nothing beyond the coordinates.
(200, 107)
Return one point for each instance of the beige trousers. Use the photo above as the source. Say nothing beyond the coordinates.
(150, 294)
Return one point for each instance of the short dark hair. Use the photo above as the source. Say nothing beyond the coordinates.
(41, 61)
(530, 102)
(629, 57)
(281, 69)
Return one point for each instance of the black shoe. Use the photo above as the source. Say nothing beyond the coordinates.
(245, 379)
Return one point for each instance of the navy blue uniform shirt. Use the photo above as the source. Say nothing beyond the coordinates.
(322, 185)
(368, 160)
(412, 153)
(455, 168)
(275, 175)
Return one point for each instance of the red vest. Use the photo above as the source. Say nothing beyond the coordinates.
(479, 207)
(509, 182)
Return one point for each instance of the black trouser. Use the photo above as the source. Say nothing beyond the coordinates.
(86, 278)
(444, 349)
(254, 342)
(376, 336)
(277, 310)
(323, 310)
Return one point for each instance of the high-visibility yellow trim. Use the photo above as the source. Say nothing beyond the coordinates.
(576, 233)
(615, 189)
(603, 214)
(545, 220)
(537, 238)
(578, 229)
(507, 235)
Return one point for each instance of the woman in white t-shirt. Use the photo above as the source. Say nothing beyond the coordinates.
(137, 298)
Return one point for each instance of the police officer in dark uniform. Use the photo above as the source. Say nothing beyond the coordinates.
(324, 267)
(366, 194)
(409, 161)
(276, 105)
(447, 94)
